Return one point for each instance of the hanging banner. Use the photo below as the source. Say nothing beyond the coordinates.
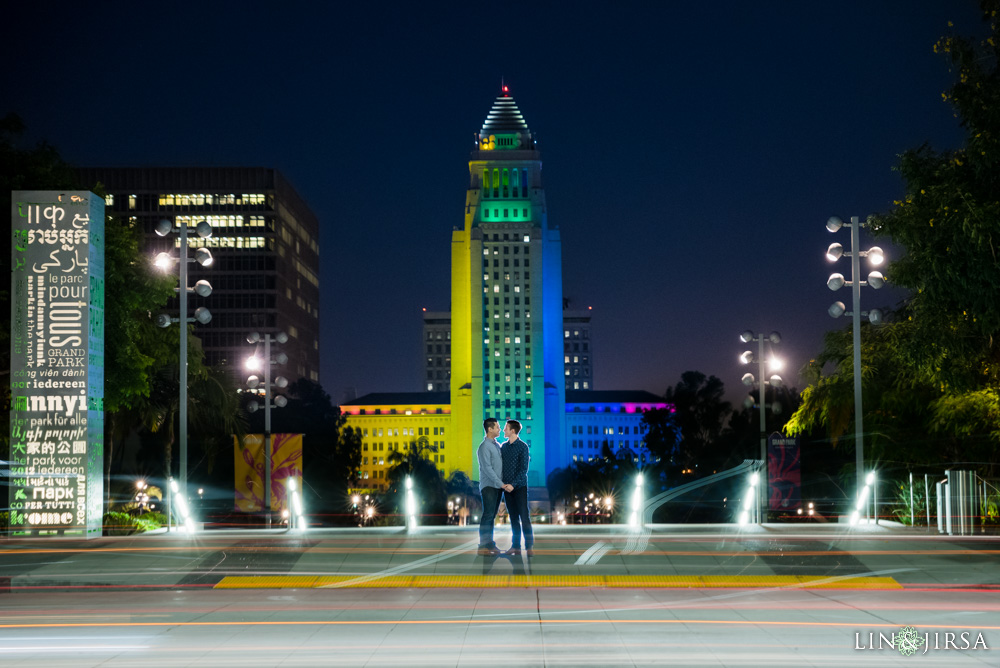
(286, 463)
(785, 478)
(57, 363)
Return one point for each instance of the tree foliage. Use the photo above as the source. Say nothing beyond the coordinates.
(930, 376)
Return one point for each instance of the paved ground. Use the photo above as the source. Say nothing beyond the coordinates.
(154, 601)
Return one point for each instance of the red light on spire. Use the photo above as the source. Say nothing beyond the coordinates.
(505, 89)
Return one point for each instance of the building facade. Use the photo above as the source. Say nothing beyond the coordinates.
(506, 295)
(578, 351)
(265, 245)
(609, 417)
(578, 358)
(437, 351)
(393, 421)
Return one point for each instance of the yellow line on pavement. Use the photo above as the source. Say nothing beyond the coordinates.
(546, 581)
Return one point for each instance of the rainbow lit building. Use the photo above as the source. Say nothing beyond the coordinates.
(506, 295)
(508, 346)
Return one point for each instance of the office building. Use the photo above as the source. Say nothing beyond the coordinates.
(393, 421)
(265, 244)
(578, 351)
(437, 351)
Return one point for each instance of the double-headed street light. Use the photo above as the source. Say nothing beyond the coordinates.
(257, 363)
(836, 281)
(164, 261)
(748, 357)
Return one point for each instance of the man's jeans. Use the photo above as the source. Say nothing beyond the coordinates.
(491, 503)
(520, 517)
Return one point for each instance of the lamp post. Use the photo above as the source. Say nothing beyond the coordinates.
(202, 315)
(255, 363)
(748, 357)
(836, 281)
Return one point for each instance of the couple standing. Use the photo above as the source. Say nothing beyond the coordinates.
(504, 469)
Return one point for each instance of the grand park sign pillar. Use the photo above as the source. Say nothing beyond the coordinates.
(57, 363)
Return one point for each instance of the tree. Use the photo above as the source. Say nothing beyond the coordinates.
(133, 347)
(701, 415)
(39, 167)
(934, 370)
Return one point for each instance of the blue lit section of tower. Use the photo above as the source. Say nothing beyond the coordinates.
(507, 348)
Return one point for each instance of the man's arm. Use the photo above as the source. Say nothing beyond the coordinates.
(524, 457)
(486, 472)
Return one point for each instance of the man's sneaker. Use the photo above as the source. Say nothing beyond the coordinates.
(513, 552)
(488, 551)
(529, 552)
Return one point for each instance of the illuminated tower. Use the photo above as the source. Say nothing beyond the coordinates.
(506, 297)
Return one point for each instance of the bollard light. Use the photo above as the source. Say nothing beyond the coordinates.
(411, 506)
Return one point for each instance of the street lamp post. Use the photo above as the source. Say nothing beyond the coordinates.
(255, 363)
(775, 381)
(202, 315)
(836, 281)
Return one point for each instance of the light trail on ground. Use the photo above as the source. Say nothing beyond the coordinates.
(471, 622)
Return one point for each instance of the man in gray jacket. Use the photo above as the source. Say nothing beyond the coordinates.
(490, 485)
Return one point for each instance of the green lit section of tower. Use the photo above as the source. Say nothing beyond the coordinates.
(507, 349)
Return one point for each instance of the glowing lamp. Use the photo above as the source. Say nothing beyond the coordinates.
(834, 252)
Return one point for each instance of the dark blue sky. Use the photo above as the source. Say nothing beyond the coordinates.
(692, 151)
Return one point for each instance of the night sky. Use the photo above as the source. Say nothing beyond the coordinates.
(692, 151)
